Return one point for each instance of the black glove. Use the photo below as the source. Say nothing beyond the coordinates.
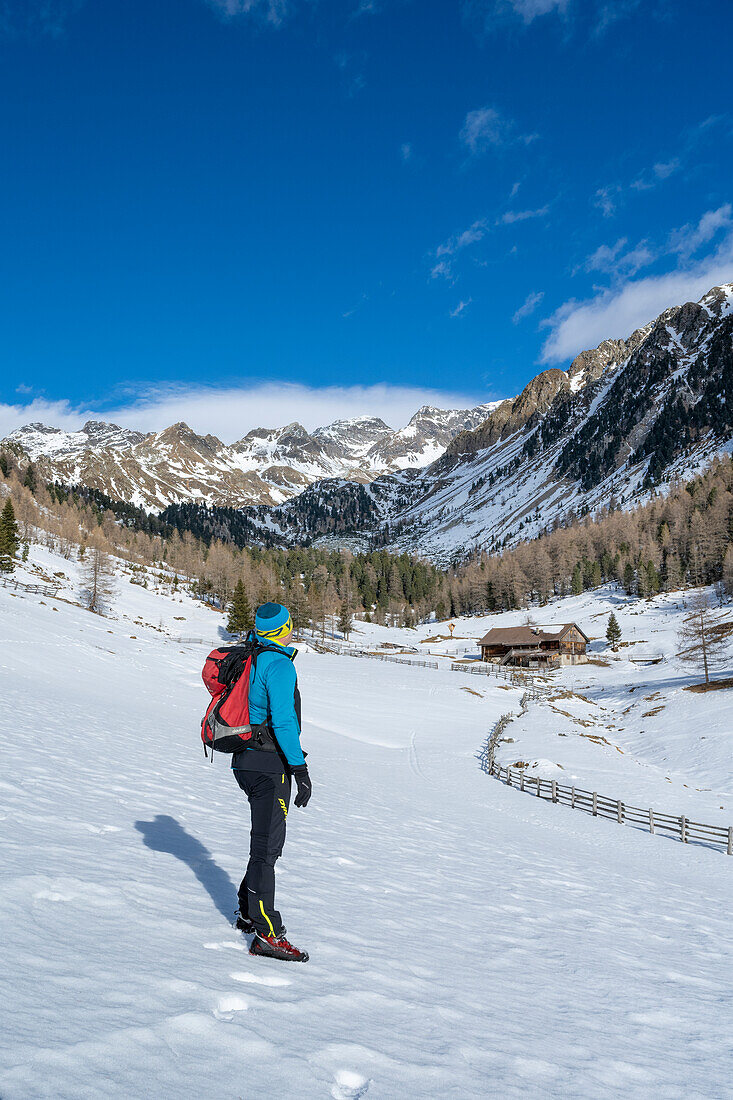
(304, 785)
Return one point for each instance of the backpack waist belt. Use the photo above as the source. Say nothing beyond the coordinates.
(263, 738)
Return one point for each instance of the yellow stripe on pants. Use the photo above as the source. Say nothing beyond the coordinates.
(264, 914)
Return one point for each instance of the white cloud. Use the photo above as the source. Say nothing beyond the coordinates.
(617, 311)
(442, 270)
(483, 128)
(528, 306)
(469, 236)
(619, 262)
(493, 12)
(605, 200)
(529, 10)
(708, 131)
(486, 128)
(230, 413)
(664, 170)
(28, 17)
(614, 260)
(656, 175)
(444, 267)
(460, 308)
(58, 414)
(273, 11)
(689, 238)
(513, 216)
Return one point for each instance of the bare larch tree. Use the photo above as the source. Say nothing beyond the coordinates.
(703, 638)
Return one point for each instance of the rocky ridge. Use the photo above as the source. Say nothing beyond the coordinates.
(266, 466)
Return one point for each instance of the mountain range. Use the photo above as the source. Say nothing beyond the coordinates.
(625, 418)
(267, 466)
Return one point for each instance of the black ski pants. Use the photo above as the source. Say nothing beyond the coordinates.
(269, 798)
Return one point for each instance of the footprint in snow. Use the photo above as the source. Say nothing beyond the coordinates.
(271, 980)
(228, 1005)
(349, 1085)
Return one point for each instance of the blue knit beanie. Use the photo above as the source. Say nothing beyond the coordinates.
(270, 618)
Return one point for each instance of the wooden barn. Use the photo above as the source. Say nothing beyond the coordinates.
(535, 646)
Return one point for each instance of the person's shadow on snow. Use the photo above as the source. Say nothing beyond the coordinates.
(165, 834)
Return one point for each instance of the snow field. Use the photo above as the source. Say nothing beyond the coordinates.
(664, 746)
(466, 940)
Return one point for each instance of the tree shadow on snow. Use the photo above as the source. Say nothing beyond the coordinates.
(165, 834)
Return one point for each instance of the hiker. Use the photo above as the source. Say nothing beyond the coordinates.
(265, 774)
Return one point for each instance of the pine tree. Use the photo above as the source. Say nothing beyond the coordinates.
(8, 538)
(30, 480)
(240, 612)
(577, 581)
(345, 622)
(728, 571)
(629, 579)
(613, 632)
(653, 583)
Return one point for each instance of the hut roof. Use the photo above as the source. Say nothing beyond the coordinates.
(527, 635)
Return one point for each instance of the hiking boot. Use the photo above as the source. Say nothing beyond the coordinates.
(277, 947)
(243, 924)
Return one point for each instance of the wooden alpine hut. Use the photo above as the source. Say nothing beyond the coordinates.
(535, 646)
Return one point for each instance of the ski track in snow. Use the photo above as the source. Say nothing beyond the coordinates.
(466, 940)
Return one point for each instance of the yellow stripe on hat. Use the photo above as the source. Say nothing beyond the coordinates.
(279, 632)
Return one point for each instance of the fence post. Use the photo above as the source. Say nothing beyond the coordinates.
(651, 820)
(683, 829)
(509, 777)
(595, 804)
(521, 780)
(572, 798)
(538, 786)
(554, 790)
(730, 840)
(619, 811)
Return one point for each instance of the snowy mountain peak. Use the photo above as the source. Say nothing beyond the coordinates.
(266, 466)
(354, 430)
(719, 300)
(38, 439)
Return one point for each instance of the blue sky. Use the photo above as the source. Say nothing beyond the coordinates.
(242, 212)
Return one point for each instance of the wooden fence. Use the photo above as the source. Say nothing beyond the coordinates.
(51, 591)
(614, 808)
(389, 657)
(513, 676)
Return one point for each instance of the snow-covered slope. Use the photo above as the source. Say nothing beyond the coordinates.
(625, 723)
(266, 466)
(466, 940)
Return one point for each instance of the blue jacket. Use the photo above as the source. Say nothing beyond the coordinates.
(272, 691)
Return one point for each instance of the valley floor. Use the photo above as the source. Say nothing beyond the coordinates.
(466, 940)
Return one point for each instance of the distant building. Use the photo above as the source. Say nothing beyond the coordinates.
(535, 646)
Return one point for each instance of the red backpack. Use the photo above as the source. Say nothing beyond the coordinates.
(226, 726)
